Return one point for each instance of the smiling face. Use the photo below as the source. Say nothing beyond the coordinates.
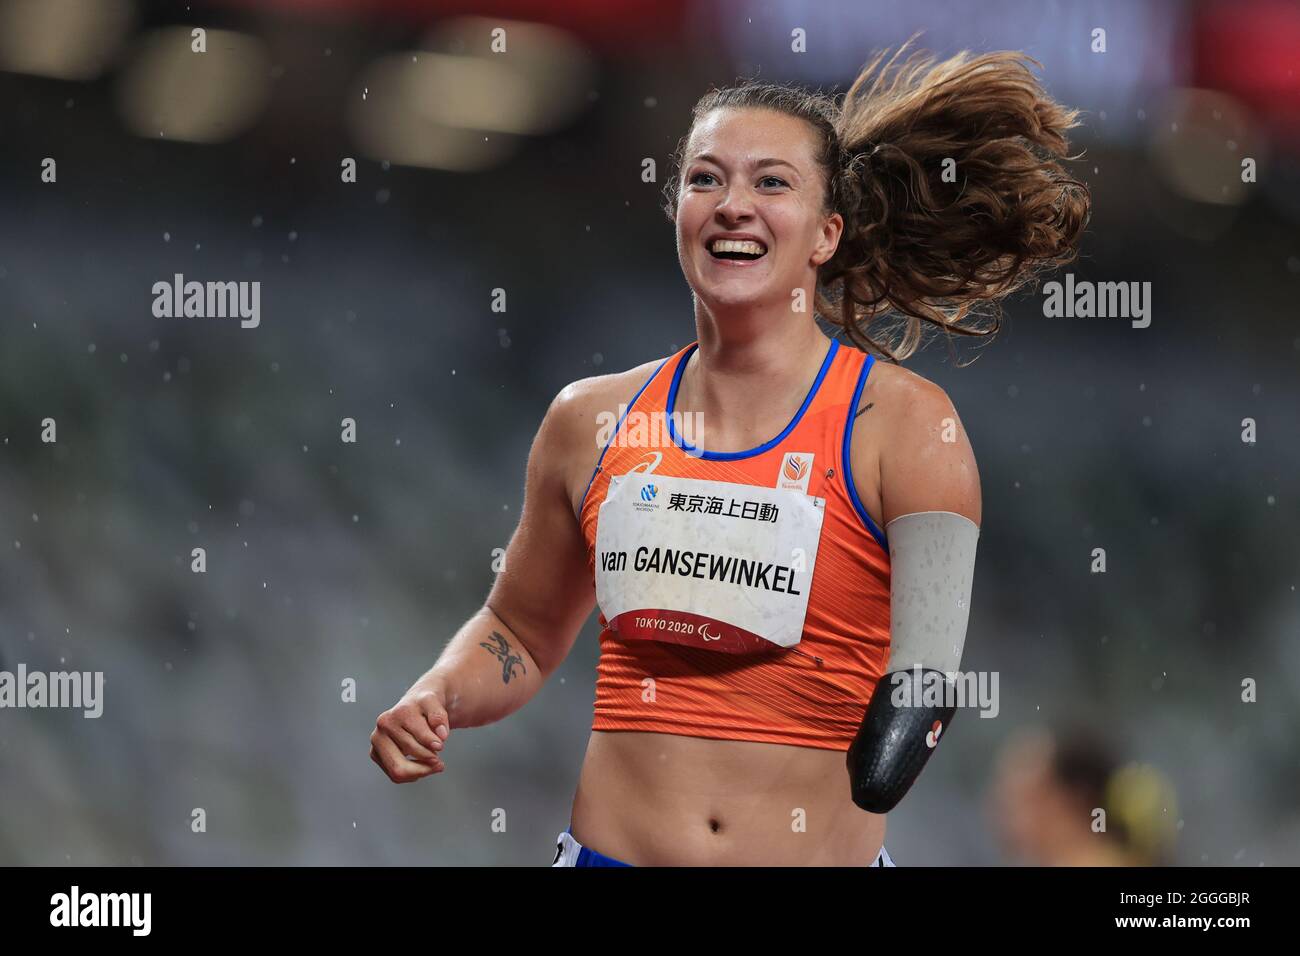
(752, 224)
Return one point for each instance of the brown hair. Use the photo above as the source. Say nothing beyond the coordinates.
(929, 250)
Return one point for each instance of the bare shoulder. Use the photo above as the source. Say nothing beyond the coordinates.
(901, 389)
(584, 413)
(911, 445)
(893, 402)
(603, 392)
(581, 406)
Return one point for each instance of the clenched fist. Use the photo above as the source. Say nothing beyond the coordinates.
(408, 737)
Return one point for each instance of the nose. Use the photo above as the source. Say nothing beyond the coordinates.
(737, 205)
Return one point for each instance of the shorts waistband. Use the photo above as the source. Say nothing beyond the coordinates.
(569, 852)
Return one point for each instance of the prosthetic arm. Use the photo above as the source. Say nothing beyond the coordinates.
(932, 564)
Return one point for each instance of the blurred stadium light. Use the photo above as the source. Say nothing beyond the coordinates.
(433, 109)
(384, 115)
(62, 39)
(1198, 140)
(170, 92)
(540, 86)
(622, 27)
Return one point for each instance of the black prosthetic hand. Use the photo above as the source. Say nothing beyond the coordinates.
(895, 741)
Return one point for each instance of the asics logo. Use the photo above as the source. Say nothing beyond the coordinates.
(649, 463)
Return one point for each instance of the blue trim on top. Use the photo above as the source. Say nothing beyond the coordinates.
(758, 449)
(614, 434)
(847, 464)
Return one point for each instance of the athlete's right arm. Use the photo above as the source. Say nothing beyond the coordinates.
(501, 656)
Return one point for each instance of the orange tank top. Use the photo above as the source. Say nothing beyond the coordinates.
(743, 595)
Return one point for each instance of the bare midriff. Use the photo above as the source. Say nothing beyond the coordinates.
(653, 799)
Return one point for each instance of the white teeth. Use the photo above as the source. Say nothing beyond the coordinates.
(738, 245)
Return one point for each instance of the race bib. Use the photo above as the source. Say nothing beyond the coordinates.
(710, 564)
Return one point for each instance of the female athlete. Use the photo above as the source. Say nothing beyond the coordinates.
(780, 590)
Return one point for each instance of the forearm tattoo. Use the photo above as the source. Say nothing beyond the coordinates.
(500, 648)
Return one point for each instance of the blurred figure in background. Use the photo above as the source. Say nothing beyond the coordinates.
(1048, 787)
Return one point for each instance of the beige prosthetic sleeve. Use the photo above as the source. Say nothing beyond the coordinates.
(932, 567)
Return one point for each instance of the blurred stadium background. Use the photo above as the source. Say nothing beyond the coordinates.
(522, 171)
